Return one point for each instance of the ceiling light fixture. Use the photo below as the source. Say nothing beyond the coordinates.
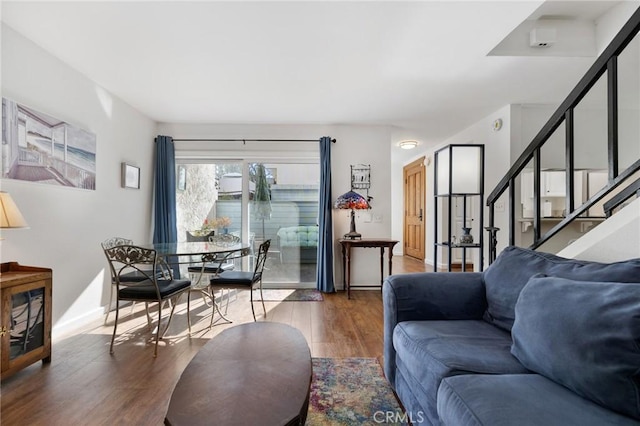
(410, 144)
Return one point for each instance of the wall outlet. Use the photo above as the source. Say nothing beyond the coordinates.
(377, 218)
(499, 206)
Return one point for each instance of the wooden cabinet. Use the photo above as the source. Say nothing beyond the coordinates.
(25, 328)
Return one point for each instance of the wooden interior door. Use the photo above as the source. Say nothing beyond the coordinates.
(414, 209)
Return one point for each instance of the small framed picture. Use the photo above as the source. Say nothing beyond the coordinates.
(181, 179)
(130, 176)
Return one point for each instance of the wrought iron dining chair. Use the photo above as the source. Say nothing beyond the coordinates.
(126, 277)
(245, 279)
(126, 258)
(210, 265)
(214, 266)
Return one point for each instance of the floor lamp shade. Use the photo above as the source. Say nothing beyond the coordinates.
(459, 169)
(10, 216)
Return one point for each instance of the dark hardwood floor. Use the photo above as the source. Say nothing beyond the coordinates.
(85, 385)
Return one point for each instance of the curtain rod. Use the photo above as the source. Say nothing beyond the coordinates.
(249, 140)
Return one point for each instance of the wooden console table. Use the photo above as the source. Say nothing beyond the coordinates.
(364, 242)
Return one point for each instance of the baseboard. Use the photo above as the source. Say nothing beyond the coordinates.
(302, 286)
(455, 267)
(77, 324)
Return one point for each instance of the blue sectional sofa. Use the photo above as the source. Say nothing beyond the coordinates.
(535, 339)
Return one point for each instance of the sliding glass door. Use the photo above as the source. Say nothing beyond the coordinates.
(258, 201)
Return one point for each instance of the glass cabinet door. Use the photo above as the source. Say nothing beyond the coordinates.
(27, 329)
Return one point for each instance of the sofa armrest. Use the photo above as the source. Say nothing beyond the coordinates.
(428, 296)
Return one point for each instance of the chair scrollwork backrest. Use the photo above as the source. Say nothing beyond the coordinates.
(261, 259)
(110, 243)
(116, 241)
(126, 257)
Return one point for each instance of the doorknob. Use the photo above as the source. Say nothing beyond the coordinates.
(420, 217)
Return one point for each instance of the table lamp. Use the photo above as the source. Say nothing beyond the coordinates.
(352, 200)
(10, 216)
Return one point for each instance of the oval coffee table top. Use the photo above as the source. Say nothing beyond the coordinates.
(250, 374)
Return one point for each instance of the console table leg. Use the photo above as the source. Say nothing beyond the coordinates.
(381, 266)
(348, 279)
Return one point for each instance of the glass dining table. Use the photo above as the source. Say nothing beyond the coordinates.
(199, 252)
(194, 249)
(195, 252)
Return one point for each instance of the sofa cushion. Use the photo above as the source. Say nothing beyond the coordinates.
(298, 236)
(428, 351)
(509, 273)
(518, 399)
(583, 335)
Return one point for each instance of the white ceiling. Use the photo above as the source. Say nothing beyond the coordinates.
(418, 65)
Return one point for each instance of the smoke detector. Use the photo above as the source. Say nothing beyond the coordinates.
(542, 37)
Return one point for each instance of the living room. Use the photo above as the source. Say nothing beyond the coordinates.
(67, 225)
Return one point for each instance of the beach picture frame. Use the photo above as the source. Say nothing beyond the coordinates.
(38, 147)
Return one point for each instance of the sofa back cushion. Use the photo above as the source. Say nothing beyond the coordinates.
(509, 273)
(583, 335)
(298, 236)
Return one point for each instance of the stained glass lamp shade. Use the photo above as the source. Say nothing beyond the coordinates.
(354, 201)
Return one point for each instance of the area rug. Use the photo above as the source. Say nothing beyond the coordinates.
(351, 391)
(292, 295)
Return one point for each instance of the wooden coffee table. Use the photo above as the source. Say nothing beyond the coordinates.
(251, 374)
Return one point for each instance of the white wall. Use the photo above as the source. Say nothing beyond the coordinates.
(616, 239)
(66, 224)
(355, 145)
(608, 25)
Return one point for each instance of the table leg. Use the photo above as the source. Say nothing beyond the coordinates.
(344, 266)
(348, 269)
(381, 266)
(390, 260)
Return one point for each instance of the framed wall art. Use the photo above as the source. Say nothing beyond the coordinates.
(37, 147)
(130, 176)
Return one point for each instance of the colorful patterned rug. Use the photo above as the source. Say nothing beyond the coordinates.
(351, 391)
(292, 295)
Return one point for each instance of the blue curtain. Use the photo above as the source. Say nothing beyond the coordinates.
(165, 230)
(324, 271)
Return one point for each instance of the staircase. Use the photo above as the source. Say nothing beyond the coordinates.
(622, 186)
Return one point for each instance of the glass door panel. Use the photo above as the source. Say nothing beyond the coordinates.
(27, 322)
(208, 200)
(283, 207)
